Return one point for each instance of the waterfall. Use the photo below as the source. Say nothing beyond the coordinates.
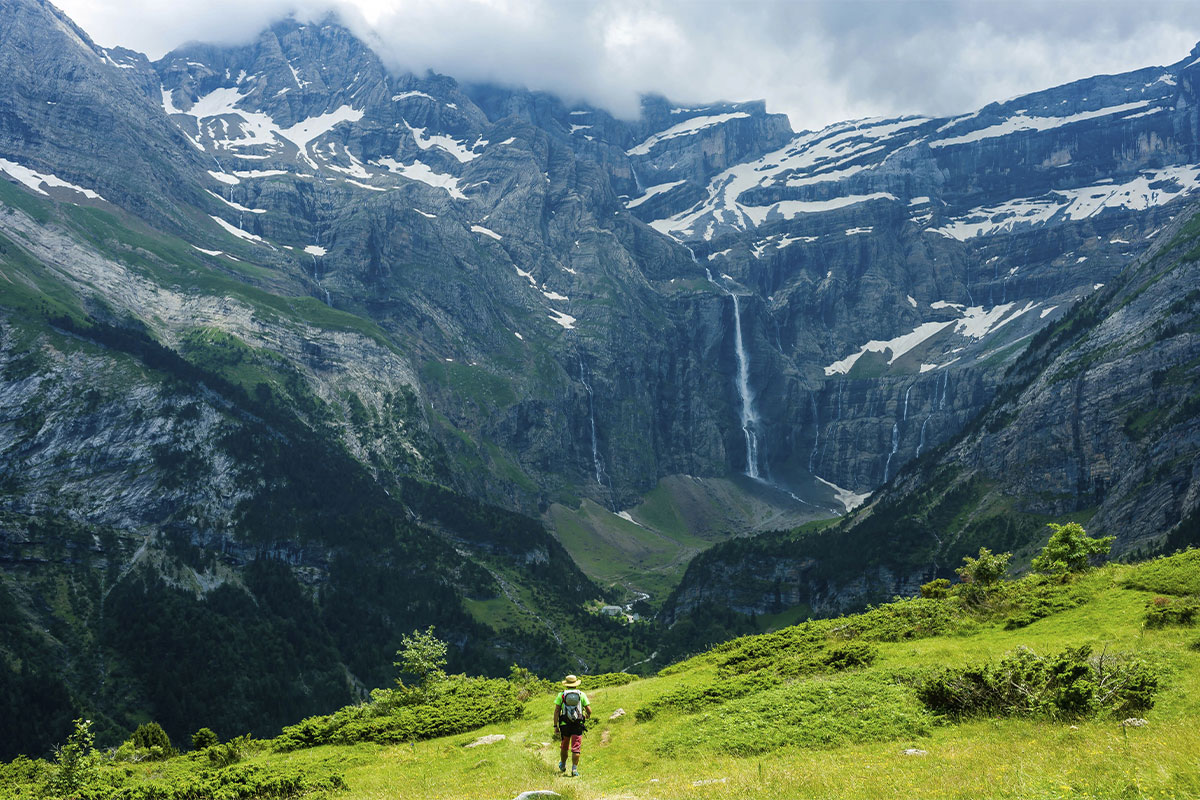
(895, 444)
(934, 405)
(837, 417)
(317, 278)
(945, 388)
(906, 391)
(596, 462)
(812, 457)
(748, 415)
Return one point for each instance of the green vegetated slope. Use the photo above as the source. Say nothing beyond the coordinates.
(189, 530)
(1044, 688)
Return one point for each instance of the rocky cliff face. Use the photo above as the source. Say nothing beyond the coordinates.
(496, 237)
(1095, 421)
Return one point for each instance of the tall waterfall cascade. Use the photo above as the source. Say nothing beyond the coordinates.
(597, 463)
(749, 417)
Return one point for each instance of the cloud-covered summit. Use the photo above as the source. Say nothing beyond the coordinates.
(817, 61)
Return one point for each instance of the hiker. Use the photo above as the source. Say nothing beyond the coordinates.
(571, 710)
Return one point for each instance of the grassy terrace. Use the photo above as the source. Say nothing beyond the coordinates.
(821, 710)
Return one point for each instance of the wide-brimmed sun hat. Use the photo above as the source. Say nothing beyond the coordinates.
(571, 682)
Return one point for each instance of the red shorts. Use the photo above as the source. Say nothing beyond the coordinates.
(575, 743)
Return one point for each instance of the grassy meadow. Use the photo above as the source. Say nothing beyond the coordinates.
(825, 709)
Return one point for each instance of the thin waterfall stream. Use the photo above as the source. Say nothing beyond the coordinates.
(749, 417)
(596, 462)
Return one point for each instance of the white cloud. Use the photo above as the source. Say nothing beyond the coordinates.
(818, 61)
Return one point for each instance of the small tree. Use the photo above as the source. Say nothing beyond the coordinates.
(204, 738)
(985, 570)
(422, 655)
(76, 761)
(1070, 549)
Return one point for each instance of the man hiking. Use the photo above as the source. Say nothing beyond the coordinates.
(571, 709)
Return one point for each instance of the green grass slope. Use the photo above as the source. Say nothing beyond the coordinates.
(836, 708)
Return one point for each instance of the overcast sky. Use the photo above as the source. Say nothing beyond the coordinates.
(819, 61)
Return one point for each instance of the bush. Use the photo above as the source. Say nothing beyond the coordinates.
(204, 738)
(691, 699)
(148, 743)
(913, 618)
(984, 570)
(1163, 611)
(936, 589)
(529, 685)
(242, 782)
(605, 680)
(1072, 683)
(1070, 549)
(849, 655)
(233, 751)
(456, 704)
(76, 762)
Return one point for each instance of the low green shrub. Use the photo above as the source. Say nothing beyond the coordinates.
(811, 713)
(692, 699)
(1177, 575)
(913, 618)
(233, 751)
(1163, 611)
(936, 589)
(528, 684)
(1022, 683)
(242, 782)
(203, 738)
(604, 680)
(850, 655)
(456, 704)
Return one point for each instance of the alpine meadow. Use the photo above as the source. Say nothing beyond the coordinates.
(367, 432)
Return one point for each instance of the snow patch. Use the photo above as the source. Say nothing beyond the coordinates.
(238, 206)
(238, 232)
(315, 250)
(653, 191)
(688, 127)
(452, 146)
(565, 320)
(423, 173)
(35, 180)
(849, 500)
(1021, 122)
(898, 346)
(1149, 189)
(486, 232)
(258, 173)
